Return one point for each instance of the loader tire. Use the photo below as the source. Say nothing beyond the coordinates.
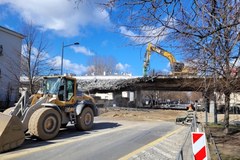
(45, 123)
(85, 119)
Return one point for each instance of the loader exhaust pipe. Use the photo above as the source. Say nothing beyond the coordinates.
(11, 132)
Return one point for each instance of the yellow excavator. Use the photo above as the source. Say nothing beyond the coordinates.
(43, 114)
(177, 67)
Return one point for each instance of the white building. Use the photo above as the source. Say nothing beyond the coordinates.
(10, 66)
(234, 99)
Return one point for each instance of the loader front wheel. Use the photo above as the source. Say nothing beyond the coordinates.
(85, 119)
(45, 123)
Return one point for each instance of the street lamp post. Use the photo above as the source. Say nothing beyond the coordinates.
(63, 46)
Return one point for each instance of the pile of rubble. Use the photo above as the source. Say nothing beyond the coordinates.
(106, 85)
(111, 83)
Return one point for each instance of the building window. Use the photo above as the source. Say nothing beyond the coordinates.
(1, 49)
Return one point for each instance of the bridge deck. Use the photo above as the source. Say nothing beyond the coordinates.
(150, 83)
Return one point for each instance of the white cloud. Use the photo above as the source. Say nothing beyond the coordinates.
(122, 67)
(148, 34)
(40, 55)
(83, 50)
(62, 16)
(127, 32)
(68, 66)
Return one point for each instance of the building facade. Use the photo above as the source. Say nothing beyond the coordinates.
(10, 66)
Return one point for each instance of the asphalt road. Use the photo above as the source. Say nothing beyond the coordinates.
(108, 140)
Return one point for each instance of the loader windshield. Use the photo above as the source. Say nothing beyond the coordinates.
(51, 85)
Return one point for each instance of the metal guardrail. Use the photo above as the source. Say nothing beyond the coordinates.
(215, 147)
(185, 152)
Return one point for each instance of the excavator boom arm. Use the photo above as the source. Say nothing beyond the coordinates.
(151, 48)
(162, 52)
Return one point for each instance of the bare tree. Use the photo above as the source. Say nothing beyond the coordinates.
(100, 65)
(219, 44)
(35, 60)
(207, 31)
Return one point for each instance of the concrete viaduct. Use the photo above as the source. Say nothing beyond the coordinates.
(162, 83)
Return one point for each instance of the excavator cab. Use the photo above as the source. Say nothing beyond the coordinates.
(178, 67)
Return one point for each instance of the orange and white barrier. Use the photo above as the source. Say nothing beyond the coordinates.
(199, 145)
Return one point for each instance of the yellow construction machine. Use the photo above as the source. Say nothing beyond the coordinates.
(177, 67)
(44, 113)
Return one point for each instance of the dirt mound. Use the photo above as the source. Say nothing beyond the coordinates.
(141, 114)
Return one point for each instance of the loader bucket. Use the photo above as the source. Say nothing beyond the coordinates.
(11, 132)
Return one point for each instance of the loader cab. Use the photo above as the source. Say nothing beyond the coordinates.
(62, 87)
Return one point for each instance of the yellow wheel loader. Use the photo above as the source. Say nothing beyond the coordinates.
(43, 114)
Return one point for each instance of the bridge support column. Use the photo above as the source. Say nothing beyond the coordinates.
(117, 98)
(206, 96)
(138, 98)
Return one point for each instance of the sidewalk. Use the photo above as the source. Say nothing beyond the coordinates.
(165, 148)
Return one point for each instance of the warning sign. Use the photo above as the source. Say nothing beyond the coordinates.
(199, 145)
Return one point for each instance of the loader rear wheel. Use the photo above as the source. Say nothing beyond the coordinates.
(85, 119)
(45, 123)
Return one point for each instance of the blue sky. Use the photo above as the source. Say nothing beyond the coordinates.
(91, 26)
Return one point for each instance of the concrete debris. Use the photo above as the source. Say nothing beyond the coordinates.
(106, 85)
(94, 85)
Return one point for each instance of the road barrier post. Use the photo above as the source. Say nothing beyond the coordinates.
(199, 145)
